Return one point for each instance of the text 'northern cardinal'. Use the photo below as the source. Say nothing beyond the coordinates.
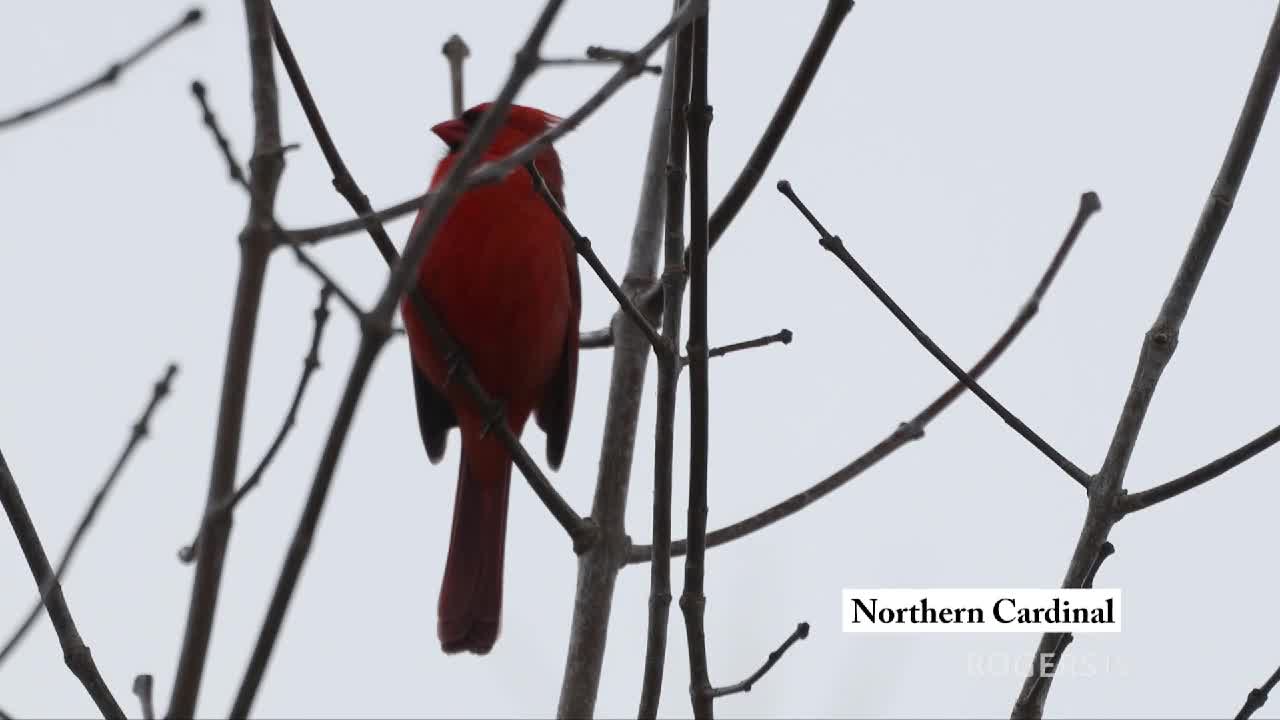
(503, 277)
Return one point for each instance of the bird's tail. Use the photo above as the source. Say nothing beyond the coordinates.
(471, 594)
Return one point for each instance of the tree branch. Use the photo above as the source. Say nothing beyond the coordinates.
(835, 246)
(1258, 697)
(693, 599)
(310, 363)
(598, 567)
(256, 243)
(583, 246)
(142, 685)
(1161, 340)
(456, 51)
(597, 55)
(1046, 665)
(74, 651)
(801, 632)
(137, 433)
(905, 432)
(234, 172)
(1199, 476)
(107, 76)
(782, 336)
(673, 282)
(596, 339)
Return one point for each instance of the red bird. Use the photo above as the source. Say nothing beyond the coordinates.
(503, 277)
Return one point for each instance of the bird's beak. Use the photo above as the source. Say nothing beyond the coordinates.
(452, 132)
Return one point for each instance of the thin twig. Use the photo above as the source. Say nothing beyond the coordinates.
(597, 52)
(596, 339)
(257, 240)
(107, 76)
(74, 651)
(673, 283)
(456, 51)
(327, 280)
(801, 632)
(1258, 697)
(783, 336)
(835, 246)
(1159, 343)
(310, 363)
(142, 685)
(907, 431)
(597, 55)
(693, 601)
(1196, 478)
(583, 246)
(137, 433)
(224, 146)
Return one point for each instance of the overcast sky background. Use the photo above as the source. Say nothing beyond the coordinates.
(948, 143)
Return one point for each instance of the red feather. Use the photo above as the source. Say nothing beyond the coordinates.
(502, 276)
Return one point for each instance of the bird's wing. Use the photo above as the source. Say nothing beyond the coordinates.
(556, 410)
(435, 415)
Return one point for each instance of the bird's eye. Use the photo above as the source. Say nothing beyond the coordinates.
(471, 117)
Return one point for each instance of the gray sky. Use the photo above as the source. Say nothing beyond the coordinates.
(946, 142)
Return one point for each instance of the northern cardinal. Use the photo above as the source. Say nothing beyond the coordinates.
(502, 276)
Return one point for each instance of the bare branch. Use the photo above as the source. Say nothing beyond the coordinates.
(107, 76)
(327, 280)
(598, 567)
(456, 51)
(142, 688)
(74, 651)
(1199, 476)
(596, 339)
(1161, 340)
(224, 146)
(906, 432)
(137, 433)
(583, 246)
(596, 55)
(1258, 697)
(693, 601)
(782, 336)
(835, 246)
(801, 632)
(673, 282)
(1046, 665)
(310, 364)
(256, 243)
